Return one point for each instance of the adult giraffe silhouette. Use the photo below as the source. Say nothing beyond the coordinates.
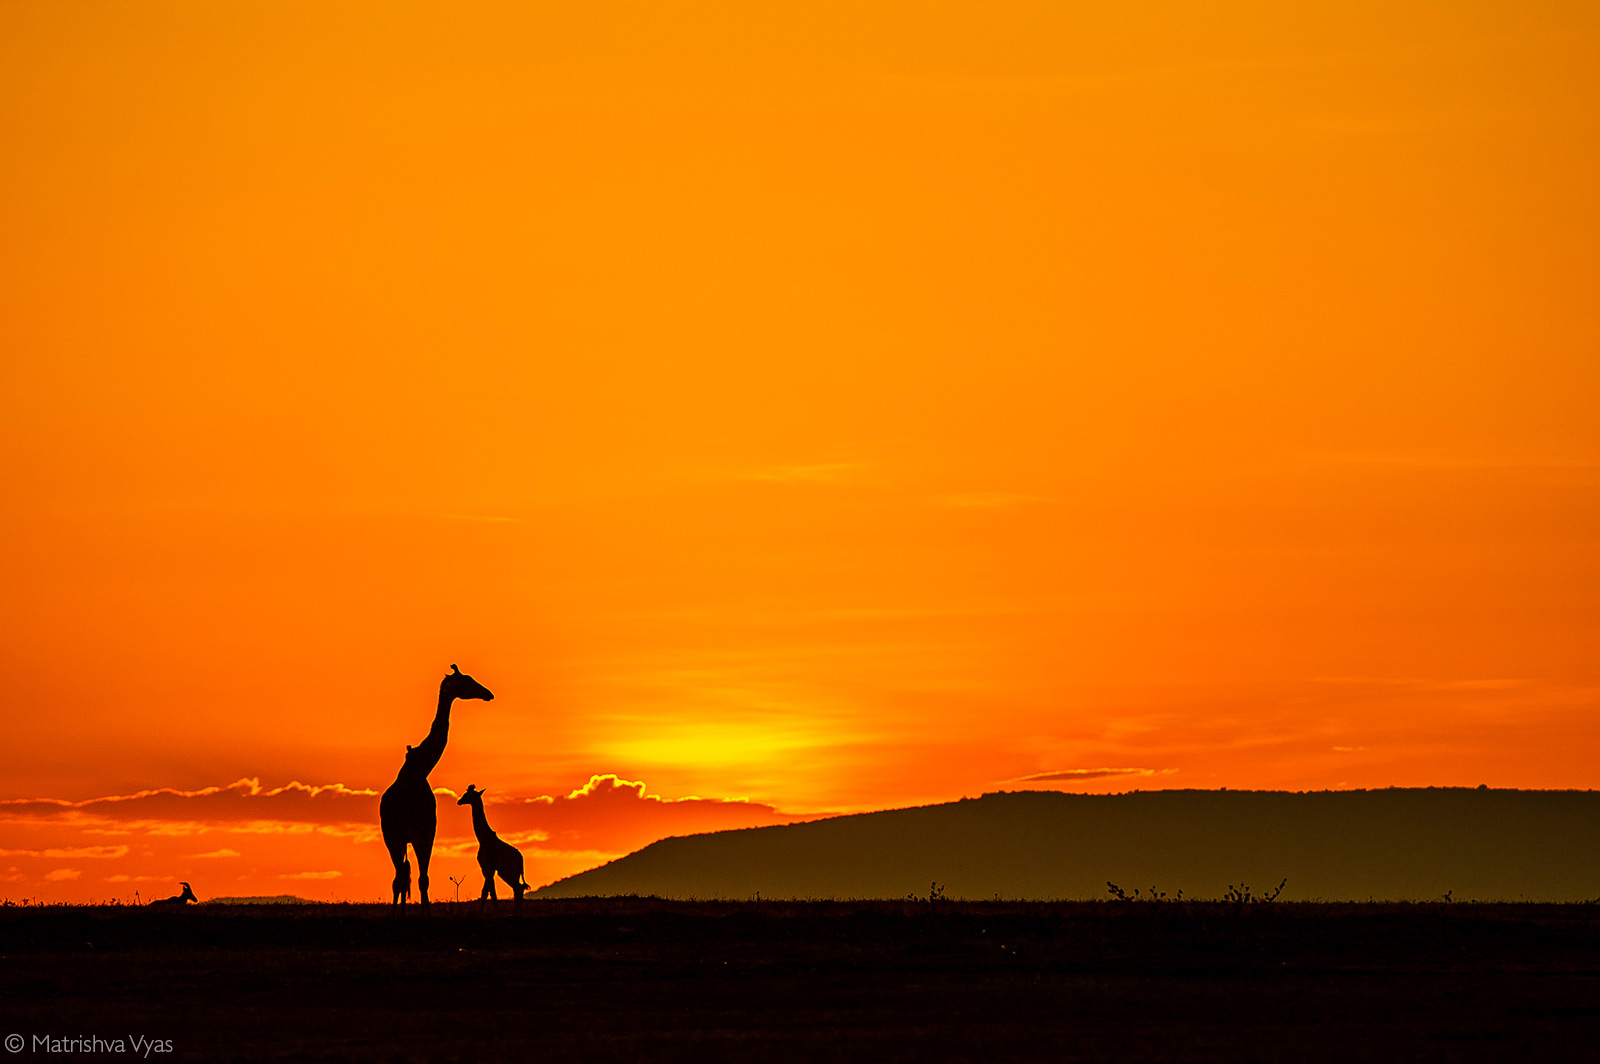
(408, 810)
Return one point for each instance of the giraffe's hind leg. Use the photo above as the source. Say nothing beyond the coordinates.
(402, 872)
(511, 872)
(424, 849)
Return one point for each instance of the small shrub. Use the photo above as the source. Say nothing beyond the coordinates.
(1154, 895)
(1241, 894)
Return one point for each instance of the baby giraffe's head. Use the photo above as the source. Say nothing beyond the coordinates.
(459, 685)
(473, 796)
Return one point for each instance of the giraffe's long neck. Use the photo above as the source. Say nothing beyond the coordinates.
(480, 823)
(428, 752)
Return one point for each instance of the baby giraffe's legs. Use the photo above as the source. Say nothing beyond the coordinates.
(514, 881)
(488, 883)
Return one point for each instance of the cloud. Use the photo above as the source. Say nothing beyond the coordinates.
(1086, 774)
(615, 815)
(61, 874)
(589, 857)
(520, 838)
(241, 806)
(603, 818)
(607, 812)
(249, 787)
(609, 785)
(70, 852)
(457, 846)
(333, 827)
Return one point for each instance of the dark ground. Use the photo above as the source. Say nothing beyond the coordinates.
(643, 980)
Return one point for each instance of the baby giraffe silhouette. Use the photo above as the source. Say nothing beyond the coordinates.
(408, 811)
(495, 855)
(177, 901)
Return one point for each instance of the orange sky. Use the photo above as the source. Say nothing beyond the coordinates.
(836, 407)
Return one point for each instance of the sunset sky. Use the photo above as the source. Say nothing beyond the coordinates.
(798, 407)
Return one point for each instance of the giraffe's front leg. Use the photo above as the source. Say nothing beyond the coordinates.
(402, 874)
(488, 882)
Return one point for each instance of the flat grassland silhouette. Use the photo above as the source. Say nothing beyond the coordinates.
(913, 980)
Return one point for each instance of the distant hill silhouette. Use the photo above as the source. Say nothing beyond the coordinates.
(262, 899)
(1393, 844)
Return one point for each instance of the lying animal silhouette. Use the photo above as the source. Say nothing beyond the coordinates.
(177, 901)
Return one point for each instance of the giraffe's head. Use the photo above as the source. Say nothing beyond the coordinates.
(472, 796)
(459, 685)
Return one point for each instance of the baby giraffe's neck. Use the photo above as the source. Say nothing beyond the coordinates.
(480, 823)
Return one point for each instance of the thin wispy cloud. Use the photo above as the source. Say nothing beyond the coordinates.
(990, 500)
(62, 853)
(1088, 774)
(249, 786)
(1442, 460)
(1424, 684)
(811, 473)
(609, 783)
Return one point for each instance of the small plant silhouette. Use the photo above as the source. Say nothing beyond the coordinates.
(458, 883)
(935, 894)
(1241, 894)
(1154, 895)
